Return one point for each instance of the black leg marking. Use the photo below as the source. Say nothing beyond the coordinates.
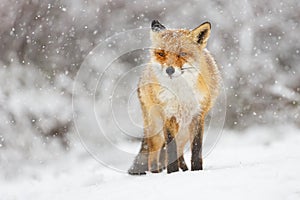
(140, 164)
(182, 163)
(172, 154)
(197, 150)
(162, 158)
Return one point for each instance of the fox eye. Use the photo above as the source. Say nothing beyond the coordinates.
(161, 54)
(182, 54)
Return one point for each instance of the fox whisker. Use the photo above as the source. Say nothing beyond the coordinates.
(187, 68)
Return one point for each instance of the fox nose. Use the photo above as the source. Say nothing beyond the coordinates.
(170, 70)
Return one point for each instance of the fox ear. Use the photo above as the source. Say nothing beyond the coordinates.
(201, 33)
(156, 26)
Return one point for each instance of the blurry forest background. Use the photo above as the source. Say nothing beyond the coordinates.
(43, 43)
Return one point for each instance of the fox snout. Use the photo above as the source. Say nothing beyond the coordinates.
(170, 70)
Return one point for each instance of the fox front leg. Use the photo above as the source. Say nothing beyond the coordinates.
(196, 141)
(170, 131)
(163, 160)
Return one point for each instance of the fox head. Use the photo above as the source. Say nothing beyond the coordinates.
(175, 51)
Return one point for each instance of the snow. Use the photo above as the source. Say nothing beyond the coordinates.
(260, 163)
(43, 44)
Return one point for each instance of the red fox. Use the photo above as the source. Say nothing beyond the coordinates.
(176, 91)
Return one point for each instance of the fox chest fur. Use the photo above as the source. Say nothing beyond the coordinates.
(180, 97)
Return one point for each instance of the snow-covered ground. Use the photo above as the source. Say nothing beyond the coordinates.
(43, 46)
(260, 163)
